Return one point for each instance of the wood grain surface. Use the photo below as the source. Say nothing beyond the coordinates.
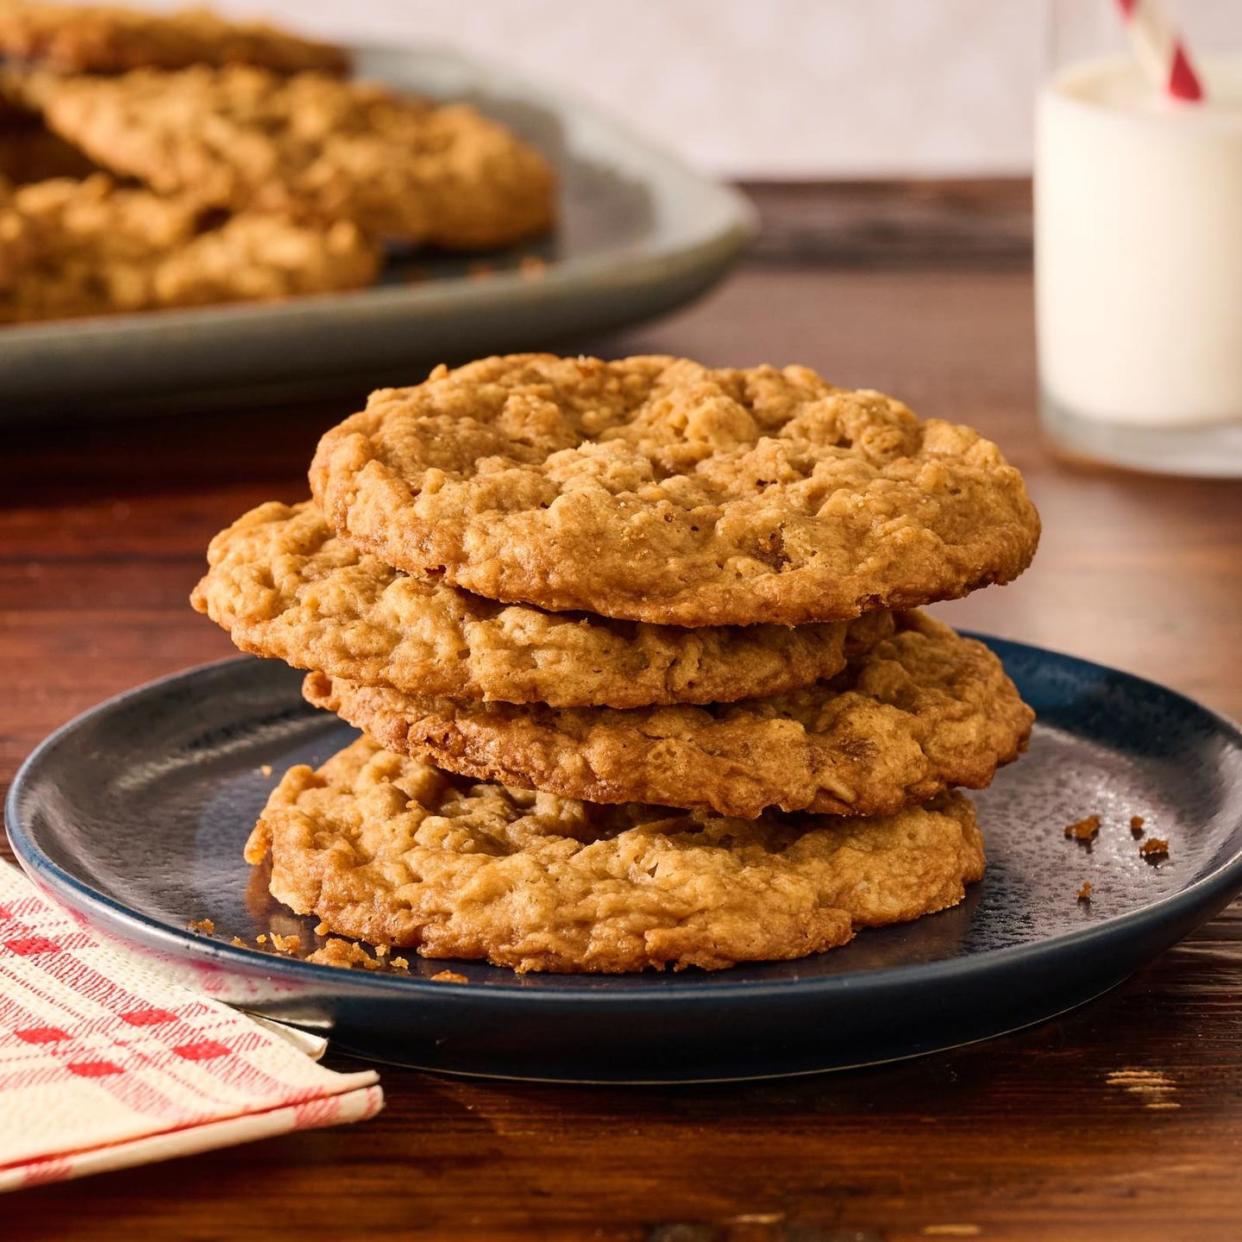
(1123, 1120)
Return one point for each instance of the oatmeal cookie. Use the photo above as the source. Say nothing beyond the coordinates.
(313, 146)
(393, 851)
(91, 247)
(918, 712)
(103, 39)
(660, 490)
(258, 257)
(284, 586)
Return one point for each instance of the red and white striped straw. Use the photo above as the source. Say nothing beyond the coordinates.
(1160, 50)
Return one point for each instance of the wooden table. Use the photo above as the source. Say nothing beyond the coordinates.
(1122, 1120)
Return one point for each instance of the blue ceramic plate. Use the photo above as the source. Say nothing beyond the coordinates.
(639, 233)
(135, 815)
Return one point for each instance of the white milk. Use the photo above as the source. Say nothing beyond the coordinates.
(1138, 210)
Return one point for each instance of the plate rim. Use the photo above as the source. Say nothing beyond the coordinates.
(181, 942)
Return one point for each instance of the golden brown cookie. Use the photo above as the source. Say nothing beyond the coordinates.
(80, 38)
(390, 850)
(660, 490)
(913, 715)
(90, 247)
(312, 146)
(284, 586)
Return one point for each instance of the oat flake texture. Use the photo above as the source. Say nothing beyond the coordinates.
(912, 716)
(394, 852)
(286, 587)
(312, 146)
(659, 490)
(72, 247)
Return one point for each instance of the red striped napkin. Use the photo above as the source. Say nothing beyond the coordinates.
(103, 1064)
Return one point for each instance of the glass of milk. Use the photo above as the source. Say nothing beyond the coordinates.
(1138, 259)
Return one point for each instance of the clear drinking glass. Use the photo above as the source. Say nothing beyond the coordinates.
(1138, 246)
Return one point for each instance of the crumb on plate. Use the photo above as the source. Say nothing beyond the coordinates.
(449, 976)
(1084, 893)
(1154, 848)
(1084, 829)
(345, 954)
(205, 927)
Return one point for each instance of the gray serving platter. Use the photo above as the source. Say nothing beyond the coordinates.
(135, 814)
(639, 234)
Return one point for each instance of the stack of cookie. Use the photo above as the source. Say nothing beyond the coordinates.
(154, 161)
(632, 648)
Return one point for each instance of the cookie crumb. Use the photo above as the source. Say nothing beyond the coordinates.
(1154, 848)
(238, 943)
(449, 976)
(1136, 825)
(1084, 893)
(322, 929)
(1084, 829)
(266, 769)
(261, 938)
(400, 963)
(204, 927)
(345, 954)
(381, 950)
(286, 944)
